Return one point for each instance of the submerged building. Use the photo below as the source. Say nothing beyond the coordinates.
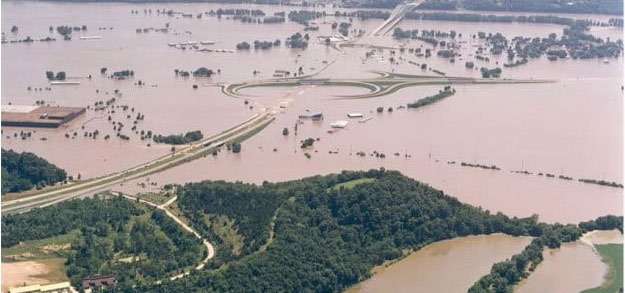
(38, 116)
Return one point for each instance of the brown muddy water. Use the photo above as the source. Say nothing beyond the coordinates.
(569, 127)
(573, 267)
(445, 266)
(572, 126)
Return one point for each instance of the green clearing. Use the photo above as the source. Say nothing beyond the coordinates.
(47, 248)
(352, 183)
(157, 198)
(612, 254)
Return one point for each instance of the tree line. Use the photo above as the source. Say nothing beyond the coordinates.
(24, 171)
(326, 239)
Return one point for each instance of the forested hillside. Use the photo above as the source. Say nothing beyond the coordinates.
(23, 171)
(327, 239)
(318, 234)
(115, 237)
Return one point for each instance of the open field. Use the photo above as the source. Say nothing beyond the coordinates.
(52, 247)
(351, 184)
(612, 254)
(30, 272)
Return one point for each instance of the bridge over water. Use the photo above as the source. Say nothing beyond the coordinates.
(396, 16)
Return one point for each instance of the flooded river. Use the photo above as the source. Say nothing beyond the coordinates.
(571, 126)
(446, 266)
(572, 268)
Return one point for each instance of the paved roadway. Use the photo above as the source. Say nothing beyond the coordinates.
(96, 185)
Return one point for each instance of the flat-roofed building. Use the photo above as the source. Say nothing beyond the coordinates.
(63, 287)
(34, 116)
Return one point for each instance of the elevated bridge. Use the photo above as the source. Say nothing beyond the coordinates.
(396, 16)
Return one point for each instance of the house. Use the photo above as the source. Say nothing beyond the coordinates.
(96, 282)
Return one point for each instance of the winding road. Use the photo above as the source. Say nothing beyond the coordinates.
(163, 207)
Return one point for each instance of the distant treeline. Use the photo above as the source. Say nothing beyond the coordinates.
(614, 7)
(23, 171)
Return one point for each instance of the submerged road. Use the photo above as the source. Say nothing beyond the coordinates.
(184, 155)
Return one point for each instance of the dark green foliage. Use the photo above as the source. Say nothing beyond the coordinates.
(603, 223)
(303, 16)
(297, 41)
(307, 142)
(492, 167)
(446, 92)
(327, 239)
(63, 217)
(64, 30)
(23, 171)
(243, 46)
(110, 229)
(162, 246)
(250, 206)
(264, 45)
(274, 19)
(203, 72)
(177, 139)
(487, 73)
(557, 6)
(601, 182)
(504, 275)
(235, 147)
(123, 73)
(344, 28)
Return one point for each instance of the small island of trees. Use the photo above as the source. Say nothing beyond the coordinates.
(177, 139)
(448, 91)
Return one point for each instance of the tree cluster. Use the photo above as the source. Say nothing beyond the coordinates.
(176, 139)
(23, 171)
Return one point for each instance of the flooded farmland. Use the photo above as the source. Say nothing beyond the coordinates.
(569, 127)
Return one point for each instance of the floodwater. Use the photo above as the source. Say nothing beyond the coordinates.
(571, 126)
(445, 266)
(574, 267)
(571, 268)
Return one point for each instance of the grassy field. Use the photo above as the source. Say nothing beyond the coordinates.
(52, 247)
(157, 198)
(22, 263)
(351, 184)
(612, 254)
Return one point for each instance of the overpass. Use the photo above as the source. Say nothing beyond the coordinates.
(396, 16)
